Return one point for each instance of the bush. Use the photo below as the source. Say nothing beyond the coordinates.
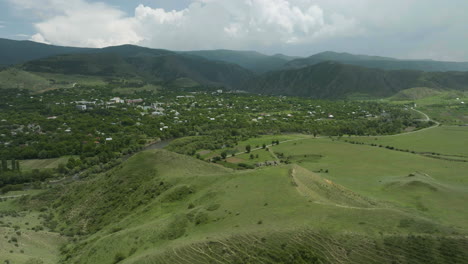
(119, 257)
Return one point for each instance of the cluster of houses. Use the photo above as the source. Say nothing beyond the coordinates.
(88, 105)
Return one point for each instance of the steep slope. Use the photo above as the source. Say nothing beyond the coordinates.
(15, 52)
(336, 80)
(161, 207)
(384, 63)
(151, 65)
(16, 78)
(254, 61)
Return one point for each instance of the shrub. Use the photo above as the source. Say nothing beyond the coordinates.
(118, 257)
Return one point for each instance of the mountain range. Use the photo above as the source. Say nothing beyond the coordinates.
(384, 63)
(323, 75)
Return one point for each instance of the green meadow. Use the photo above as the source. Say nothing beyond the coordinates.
(42, 163)
(326, 200)
(24, 238)
(187, 203)
(447, 140)
(446, 107)
(327, 197)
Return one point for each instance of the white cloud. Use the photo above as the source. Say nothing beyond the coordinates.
(204, 24)
(39, 38)
(402, 28)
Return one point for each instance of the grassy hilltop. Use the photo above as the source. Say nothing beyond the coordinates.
(334, 203)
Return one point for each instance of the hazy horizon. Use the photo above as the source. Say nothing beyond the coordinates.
(417, 29)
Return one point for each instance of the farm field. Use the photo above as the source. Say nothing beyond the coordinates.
(255, 143)
(42, 163)
(432, 187)
(449, 107)
(447, 140)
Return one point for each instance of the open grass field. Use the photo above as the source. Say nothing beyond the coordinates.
(432, 187)
(446, 107)
(23, 236)
(255, 144)
(67, 80)
(42, 163)
(39, 82)
(447, 140)
(15, 78)
(161, 207)
(329, 201)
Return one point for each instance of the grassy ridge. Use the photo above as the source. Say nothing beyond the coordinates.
(24, 239)
(159, 203)
(366, 170)
(336, 203)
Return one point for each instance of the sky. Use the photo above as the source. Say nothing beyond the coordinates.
(407, 29)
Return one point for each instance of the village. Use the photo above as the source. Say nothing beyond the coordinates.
(75, 121)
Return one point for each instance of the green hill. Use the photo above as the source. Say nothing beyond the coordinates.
(336, 80)
(254, 61)
(16, 78)
(384, 63)
(162, 207)
(132, 62)
(415, 93)
(15, 52)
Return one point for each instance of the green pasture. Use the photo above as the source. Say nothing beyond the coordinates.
(172, 201)
(369, 170)
(447, 140)
(42, 163)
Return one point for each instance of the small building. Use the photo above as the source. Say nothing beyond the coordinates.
(116, 100)
(81, 107)
(157, 113)
(134, 101)
(83, 102)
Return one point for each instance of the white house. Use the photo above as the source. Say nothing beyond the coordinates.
(81, 107)
(116, 100)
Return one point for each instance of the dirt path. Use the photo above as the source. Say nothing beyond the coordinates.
(426, 118)
(13, 196)
(303, 190)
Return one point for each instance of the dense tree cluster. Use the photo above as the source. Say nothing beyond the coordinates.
(49, 125)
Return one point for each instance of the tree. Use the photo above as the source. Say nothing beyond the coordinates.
(248, 148)
(264, 146)
(13, 165)
(252, 156)
(224, 154)
(62, 168)
(17, 165)
(71, 163)
(4, 165)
